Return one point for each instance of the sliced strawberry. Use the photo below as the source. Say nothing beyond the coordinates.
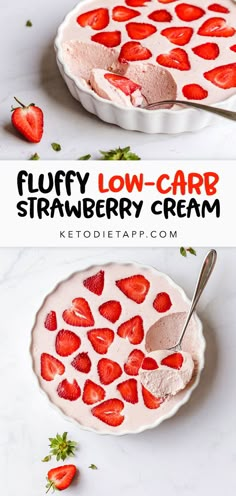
(175, 59)
(60, 478)
(233, 48)
(124, 84)
(108, 371)
(109, 39)
(132, 330)
(166, 1)
(140, 30)
(69, 390)
(135, 287)
(123, 14)
(51, 321)
(216, 7)
(133, 51)
(162, 302)
(160, 16)
(208, 51)
(134, 362)
(79, 314)
(216, 26)
(188, 12)
(178, 35)
(92, 393)
(129, 390)
(101, 340)
(50, 367)
(224, 77)
(95, 283)
(28, 121)
(194, 92)
(175, 361)
(136, 3)
(109, 412)
(111, 310)
(149, 364)
(151, 401)
(97, 19)
(66, 343)
(82, 363)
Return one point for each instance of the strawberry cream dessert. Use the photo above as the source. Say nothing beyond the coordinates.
(91, 342)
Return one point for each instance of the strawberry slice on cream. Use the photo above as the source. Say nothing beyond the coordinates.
(119, 89)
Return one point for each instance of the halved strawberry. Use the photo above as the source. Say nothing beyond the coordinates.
(178, 35)
(92, 393)
(140, 30)
(134, 362)
(51, 367)
(79, 314)
(51, 321)
(132, 330)
(109, 412)
(188, 12)
(151, 401)
(175, 361)
(69, 390)
(122, 13)
(216, 7)
(101, 340)
(124, 84)
(162, 302)
(97, 19)
(175, 59)
(194, 92)
(208, 51)
(109, 39)
(135, 287)
(28, 121)
(60, 478)
(95, 283)
(108, 371)
(82, 363)
(136, 3)
(133, 51)
(66, 343)
(149, 364)
(160, 16)
(216, 26)
(129, 390)
(224, 77)
(233, 48)
(111, 310)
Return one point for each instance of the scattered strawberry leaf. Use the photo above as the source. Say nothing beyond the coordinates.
(35, 156)
(119, 154)
(93, 467)
(60, 447)
(56, 147)
(29, 24)
(85, 157)
(185, 251)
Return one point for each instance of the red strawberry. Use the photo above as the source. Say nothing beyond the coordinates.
(162, 302)
(134, 287)
(216, 7)
(129, 391)
(208, 51)
(175, 361)
(79, 314)
(92, 393)
(60, 478)
(175, 59)
(95, 283)
(122, 14)
(97, 19)
(140, 30)
(194, 92)
(187, 12)
(151, 401)
(136, 3)
(51, 321)
(101, 340)
(160, 16)
(224, 77)
(111, 310)
(134, 362)
(133, 51)
(82, 363)
(66, 343)
(166, 1)
(233, 48)
(109, 39)
(108, 371)
(50, 367)
(178, 35)
(28, 121)
(69, 390)
(149, 364)
(132, 330)
(124, 84)
(109, 412)
(216, 26)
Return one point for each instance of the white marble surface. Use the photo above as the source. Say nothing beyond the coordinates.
(192, 454)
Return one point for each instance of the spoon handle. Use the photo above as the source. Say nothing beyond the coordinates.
(229, 114)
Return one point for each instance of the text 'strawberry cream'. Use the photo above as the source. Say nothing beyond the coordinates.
(94, 332)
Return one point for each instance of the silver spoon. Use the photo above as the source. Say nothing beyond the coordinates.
(229, 114)
(206, 270)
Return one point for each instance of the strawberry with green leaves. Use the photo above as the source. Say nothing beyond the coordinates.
(60, 478)
(28, 121)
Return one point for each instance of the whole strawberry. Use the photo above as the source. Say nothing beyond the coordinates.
(28, 120)
(60, 478)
